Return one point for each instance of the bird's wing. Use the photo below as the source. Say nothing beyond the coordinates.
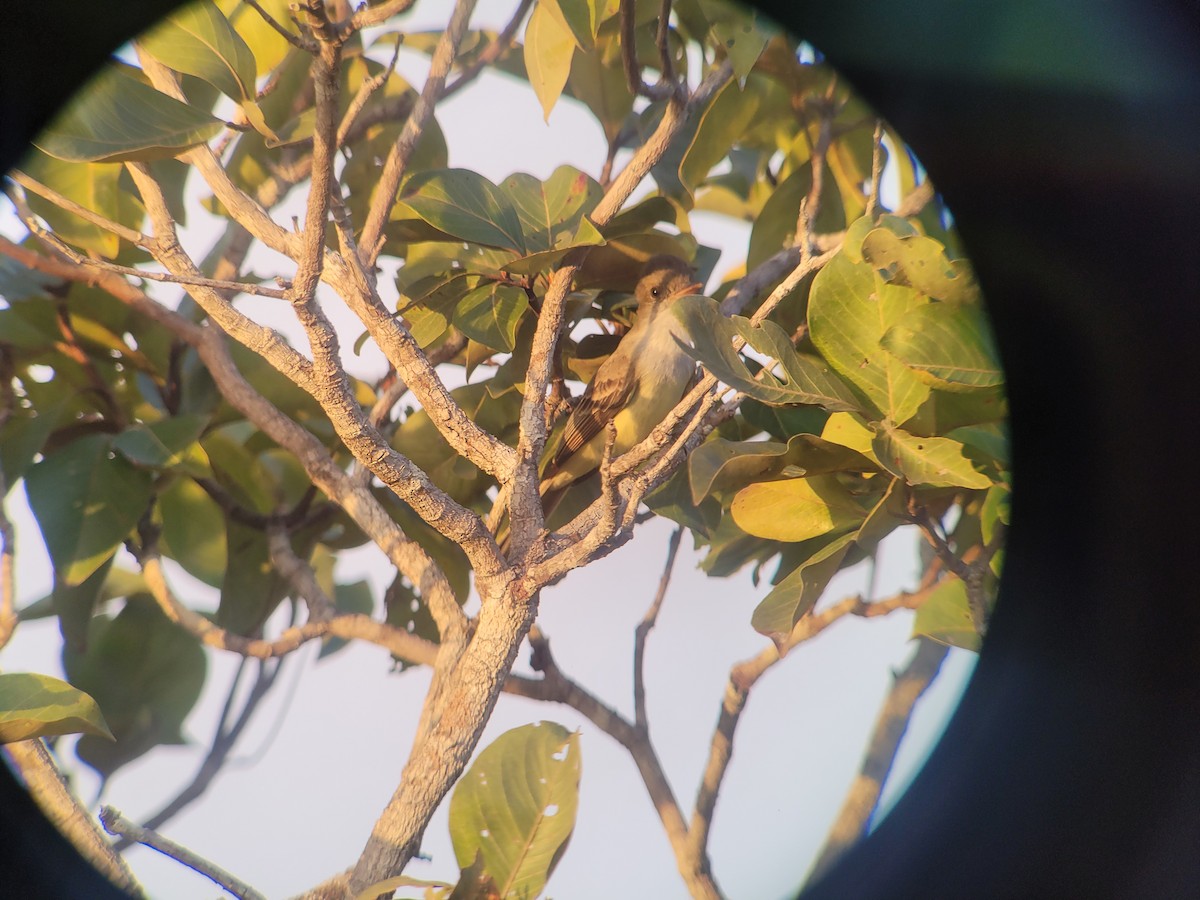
(603, 399)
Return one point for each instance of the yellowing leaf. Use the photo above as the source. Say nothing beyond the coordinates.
(549, 47)
(796, 509)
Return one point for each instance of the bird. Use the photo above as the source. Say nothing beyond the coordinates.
(635, 388)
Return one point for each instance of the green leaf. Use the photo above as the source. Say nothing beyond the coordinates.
(516, 806)
(945, 616)
(719, 464)
(251, 589)
(809, 380)
(22, 438)
(74, 605)
(464, 204)
(167, 444)
(722, 124)
(995, 510)
(198, 40)
(193, 531)
(91, 185)
(33, 705)
(796, 594)
(934, 461)
(549, 46)
(118, 118)
(947, 345)
(553, 215)
(849, 312)
(19, 282)
(598, 81)
(268, 46)
(491, 314)
(796, 509)
(145, 672)
(917, 261)
(674, 501)
(775, 226)
(86, 499)
(580, 17)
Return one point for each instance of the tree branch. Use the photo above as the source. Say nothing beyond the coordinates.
(555, 687)
(643, 631)
(908, 686)
(224, 740)
(116, 824)
(492, 52)
(349, 626)
(371, 243)
(64, 811)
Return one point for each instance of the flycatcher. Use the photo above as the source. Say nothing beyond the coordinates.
(634, 388)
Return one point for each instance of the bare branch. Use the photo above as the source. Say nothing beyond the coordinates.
(379, 13)
(128, 234)
(743, 677)
(299, 575)
(492, 52)
(371, 242)
(116, 824)
(633, 71)
(469, 695)
(876, 171)
(364, 93)
(643, 631)
(242, 209)
(64, 811)
(908, 686)
(349, 626)
(555, 687)
(223, 742)
(286, 33)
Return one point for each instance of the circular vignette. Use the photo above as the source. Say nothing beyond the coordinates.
(1065, 144)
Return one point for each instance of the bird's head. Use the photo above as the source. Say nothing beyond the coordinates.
(665, 279)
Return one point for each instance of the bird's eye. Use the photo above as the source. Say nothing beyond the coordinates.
(654, 292)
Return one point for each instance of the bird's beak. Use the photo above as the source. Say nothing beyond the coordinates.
(690, 289)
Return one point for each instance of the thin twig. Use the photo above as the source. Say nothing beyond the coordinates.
(876, 171)
(62, 808)
(743, 677)
(299, 575)
(371, 242)
(349, 626)
(129, 234)
(492, 52)
(223, 742)
(117, 825)
(643, 630)
(286, 33)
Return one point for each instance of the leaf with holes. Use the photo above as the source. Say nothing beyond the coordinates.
(935, 461)
(516, 806)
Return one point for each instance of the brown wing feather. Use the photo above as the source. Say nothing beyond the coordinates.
(602, 400)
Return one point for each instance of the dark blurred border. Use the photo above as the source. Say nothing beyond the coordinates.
(1066, 139)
